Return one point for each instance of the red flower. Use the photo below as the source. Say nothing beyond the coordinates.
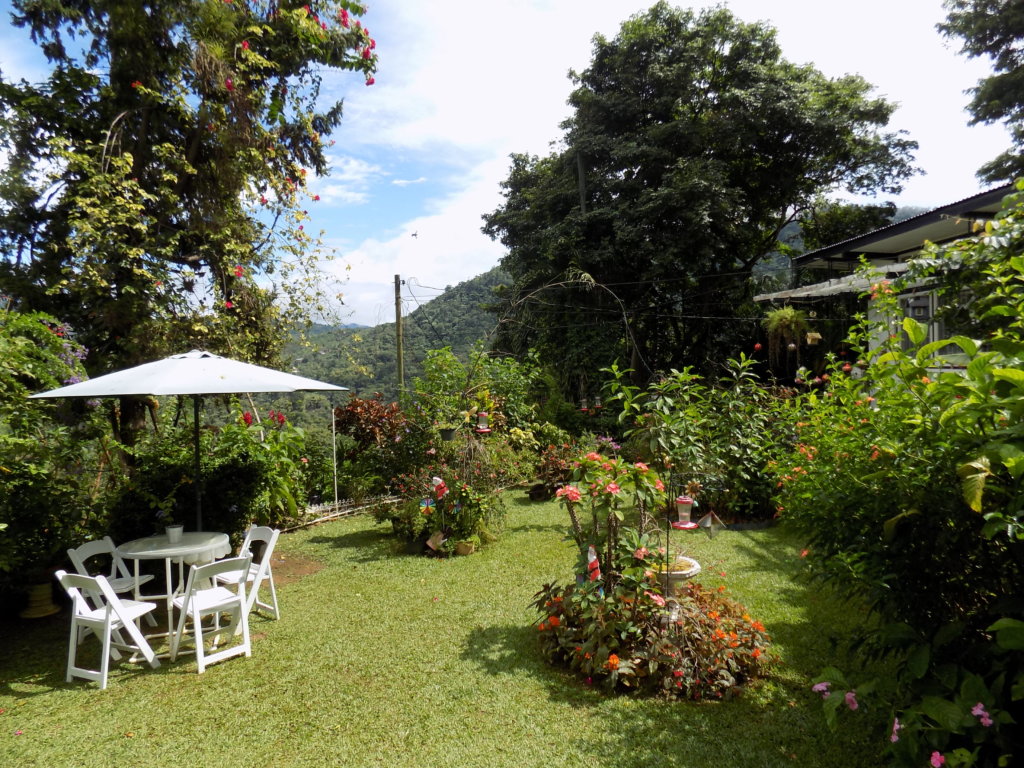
(366, 53)
(229, 85)
(370, 81)
(343, 17)
(136, 83)
(247, 418)
(228, 304)
(316, 197)
(245, 45)
(238, 270)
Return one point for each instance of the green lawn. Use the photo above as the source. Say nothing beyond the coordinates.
(385, 659)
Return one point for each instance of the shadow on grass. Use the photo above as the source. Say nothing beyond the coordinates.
(34, 654)
(368, 546)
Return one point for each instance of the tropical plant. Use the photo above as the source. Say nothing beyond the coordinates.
(635, 240)
(907, 482)
(623, 633)
(179, 135)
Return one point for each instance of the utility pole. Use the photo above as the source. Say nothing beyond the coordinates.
(398, 333)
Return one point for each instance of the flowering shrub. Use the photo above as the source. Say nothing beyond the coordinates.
(906, 481)
(697, 645)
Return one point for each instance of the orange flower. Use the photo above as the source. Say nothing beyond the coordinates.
(756, 653)
(542, 626)
(554, 621)
(613, 661)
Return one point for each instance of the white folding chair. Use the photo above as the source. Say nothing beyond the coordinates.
(204, 597)
(107, 620)
(259, 543)
(119, 577)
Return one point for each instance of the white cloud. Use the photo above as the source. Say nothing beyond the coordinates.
(407, 182)
(349, 182)
(447, 249)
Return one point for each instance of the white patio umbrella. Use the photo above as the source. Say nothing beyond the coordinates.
(194, 373)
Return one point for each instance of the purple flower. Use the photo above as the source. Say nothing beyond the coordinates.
(895, 735)
(851, 700)
(821, 688)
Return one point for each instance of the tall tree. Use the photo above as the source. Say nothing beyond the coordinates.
(155, 193)
(692, 143)
(994, 28)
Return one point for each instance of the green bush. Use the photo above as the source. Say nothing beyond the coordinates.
(906, 479)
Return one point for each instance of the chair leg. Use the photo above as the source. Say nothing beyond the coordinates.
(105, 659)
(76, 638)
(197, 633)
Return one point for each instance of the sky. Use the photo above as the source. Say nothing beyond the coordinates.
(463, 84)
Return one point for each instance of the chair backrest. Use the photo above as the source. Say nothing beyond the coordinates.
(260, 541)
(204, 574)
(80, 556)
(96, 587)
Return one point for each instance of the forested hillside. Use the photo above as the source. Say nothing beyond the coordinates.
(364, 359)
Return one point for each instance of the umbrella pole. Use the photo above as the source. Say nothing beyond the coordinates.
(198, 478)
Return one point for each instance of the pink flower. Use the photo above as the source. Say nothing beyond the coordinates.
(937, 759)
(366, 53)
(641, 553)
(821, 688)
(245, 45)
(316, 197)
(895, 735)
(851, 699)
(304, 460)
(343, 17)
(612, 488)
(979, 712)
(571, 492)
(228, 305)
(238, 270)
(594, 456)
(229, 84)
(655, 598)
(370, 81)
(642, 467)
(659, 485)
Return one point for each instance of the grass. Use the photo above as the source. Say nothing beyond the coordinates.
(384, 659)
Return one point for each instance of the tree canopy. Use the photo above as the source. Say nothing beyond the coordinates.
(994, 28)
(691, 144)
(155, 190)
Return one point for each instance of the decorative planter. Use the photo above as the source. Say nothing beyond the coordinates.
(448, 434)
(680, 571)
(465, 548)
(40, 602)
(174, 533)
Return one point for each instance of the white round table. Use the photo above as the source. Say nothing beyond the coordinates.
(194, 547)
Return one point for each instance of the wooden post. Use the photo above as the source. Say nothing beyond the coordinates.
(398, 333)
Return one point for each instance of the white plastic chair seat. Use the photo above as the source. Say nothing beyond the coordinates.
(107, 616)
(203, 597)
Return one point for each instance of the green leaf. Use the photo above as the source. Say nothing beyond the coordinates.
(1013, 375)
(889, 527)
(1009, 634)
(947, 714)
(918, 660)
(972, 479)
(915, 330)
